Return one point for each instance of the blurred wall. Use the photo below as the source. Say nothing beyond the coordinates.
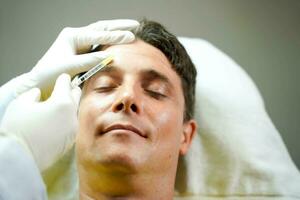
(263, 36)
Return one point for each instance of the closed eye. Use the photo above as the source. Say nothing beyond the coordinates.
(155, 94)
(105, 89)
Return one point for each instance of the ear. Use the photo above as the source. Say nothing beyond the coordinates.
(189, 131)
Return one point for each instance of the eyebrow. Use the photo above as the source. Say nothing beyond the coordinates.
(147, 74)
(109, 68)
(151, 75)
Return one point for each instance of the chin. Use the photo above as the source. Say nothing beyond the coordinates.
(119, 157)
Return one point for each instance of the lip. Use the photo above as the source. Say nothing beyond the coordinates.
(127, 127)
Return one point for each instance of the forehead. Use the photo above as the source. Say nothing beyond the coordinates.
(144, 52)
(139, 56)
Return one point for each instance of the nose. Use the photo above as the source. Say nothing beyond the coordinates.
(127, 101)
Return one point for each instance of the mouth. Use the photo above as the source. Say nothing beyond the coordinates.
(123, 127)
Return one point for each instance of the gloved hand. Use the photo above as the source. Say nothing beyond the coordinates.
(68, 54)
(46, 129)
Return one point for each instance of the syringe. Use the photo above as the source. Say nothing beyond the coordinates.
(92, 71)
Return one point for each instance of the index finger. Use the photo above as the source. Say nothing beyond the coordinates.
(111, 25)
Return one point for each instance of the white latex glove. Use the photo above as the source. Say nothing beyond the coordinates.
(68, 54)
(47, 129)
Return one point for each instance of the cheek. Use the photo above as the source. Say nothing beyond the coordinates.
(165, 145)
(93, 105)
(167, 120)
(90, 109)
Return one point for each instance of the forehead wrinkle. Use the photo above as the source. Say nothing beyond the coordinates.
(110, 68)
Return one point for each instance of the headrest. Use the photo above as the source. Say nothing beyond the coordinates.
(237, 151)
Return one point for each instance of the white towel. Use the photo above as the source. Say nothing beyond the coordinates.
(237, 153)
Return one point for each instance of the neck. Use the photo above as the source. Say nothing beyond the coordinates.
(110, 185)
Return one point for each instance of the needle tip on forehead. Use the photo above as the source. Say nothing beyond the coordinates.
(107, 60)
(78, 80)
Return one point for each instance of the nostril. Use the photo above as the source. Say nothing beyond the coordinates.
(120, 106)
(133, 108)
(125, 107)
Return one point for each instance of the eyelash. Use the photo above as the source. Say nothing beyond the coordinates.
(156, 95)
(153, 94)
(105, 89)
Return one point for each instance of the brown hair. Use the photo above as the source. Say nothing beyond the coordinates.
(156, 35)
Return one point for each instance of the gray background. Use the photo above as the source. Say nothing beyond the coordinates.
(263, 36)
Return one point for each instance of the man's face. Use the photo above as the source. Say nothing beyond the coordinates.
(131, 113)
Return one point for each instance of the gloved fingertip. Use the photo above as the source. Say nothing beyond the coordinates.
(134, 25)
(63, 77)
(116, 24)
(129, 37)
(101, 54)
(76, 90)
(76, 94)
(130, 24)
(85, 62)
(62, 86)
(122, 37)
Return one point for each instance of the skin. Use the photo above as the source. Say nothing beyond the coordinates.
(138, 89)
